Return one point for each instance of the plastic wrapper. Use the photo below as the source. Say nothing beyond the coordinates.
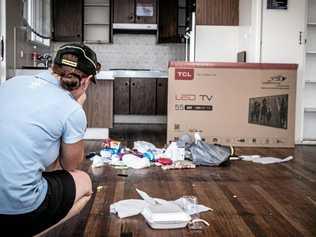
(210, 154)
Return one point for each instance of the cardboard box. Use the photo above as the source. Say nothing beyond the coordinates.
(233, 103)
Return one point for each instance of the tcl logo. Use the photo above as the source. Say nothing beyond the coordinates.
(184, 74)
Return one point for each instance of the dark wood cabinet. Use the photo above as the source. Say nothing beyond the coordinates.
(124, 11)
(217, 12)
(143, 96)
(99, 104)
(121, 95)
(67, 20)
(140, 96)
(134, 11)
(167, 21)
(148, 15)
(162, 96)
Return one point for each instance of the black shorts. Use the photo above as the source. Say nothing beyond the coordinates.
(59, 199)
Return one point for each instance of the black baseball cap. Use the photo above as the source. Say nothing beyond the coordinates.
(85, 60)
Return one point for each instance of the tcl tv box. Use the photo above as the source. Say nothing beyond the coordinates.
(241, 104)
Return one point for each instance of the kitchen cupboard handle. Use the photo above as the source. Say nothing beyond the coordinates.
(126, 84)
(159, 84)
(133, 84)
(300, 38)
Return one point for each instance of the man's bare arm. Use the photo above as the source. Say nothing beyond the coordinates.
(71, 155)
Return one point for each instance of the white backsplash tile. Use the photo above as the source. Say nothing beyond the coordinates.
(138, 51)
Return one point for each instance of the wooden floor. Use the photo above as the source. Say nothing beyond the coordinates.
(248, 199)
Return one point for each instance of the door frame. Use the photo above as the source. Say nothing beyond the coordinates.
(3, 39)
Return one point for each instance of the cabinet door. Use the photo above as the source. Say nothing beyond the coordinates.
(167, 21)
(143, 96)
(121, 95)
(99, 105)
(215, 12)
(162, 96)
(124, 11)
(67, 20)
(145, 12)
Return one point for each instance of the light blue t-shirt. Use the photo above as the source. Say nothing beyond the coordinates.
(36, 114)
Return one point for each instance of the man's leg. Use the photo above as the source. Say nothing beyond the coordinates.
(83, 195)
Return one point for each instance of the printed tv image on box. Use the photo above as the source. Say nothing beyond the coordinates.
(269, 111)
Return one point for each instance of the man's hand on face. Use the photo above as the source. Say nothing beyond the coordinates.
(80, 93)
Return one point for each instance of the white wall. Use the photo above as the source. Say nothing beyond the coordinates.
(216, 43)
(222, 43)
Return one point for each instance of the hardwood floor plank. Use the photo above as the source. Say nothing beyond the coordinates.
(248, 199)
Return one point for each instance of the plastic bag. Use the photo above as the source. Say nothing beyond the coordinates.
(143, 146)
(210, 154)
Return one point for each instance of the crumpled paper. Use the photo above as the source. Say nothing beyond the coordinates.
(265, 160)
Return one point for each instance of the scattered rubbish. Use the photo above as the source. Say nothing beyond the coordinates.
(149, 155)
(159, 213)
(209, 154)
(99, 188)
(166, 216)
(90, 155)
(122, 175)
(265, 160)
(164, 161)
(180, 164)
(135, 162)
(143, 146)
(97, 161)
(185, 141)
(195, 224)
(235, 158)
(129, 207)
(185, 153)
(174, 152)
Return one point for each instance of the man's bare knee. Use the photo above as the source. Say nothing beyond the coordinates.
(83, 184)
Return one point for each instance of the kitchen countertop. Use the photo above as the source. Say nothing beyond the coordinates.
(106, 75)
(140, 73)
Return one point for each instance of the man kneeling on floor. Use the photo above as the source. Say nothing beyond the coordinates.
(41, 119)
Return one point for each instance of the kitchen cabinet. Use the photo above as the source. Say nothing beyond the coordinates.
(140, 96)
(214, 12)
(121, 95)
(174, 17)
(162, 96)
(99, 104)
(97, 24)
(67, 20)
(124, 11)
(143, 96)
(167, 21)
(134, 11)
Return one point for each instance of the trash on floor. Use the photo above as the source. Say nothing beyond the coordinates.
(159, 213)
(180, 164)
(265, 160)
(185, 153)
